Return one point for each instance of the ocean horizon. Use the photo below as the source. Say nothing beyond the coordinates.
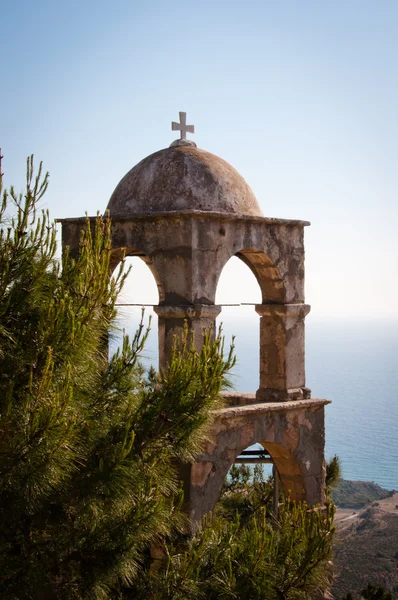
(352, 362)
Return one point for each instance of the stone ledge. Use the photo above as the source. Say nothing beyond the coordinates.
(187, 311)
(249, 405)
(191, 213)
(240, 398)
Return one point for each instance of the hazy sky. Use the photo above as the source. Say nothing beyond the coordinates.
(301, 97)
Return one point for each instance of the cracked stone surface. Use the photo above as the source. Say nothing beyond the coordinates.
(183, 177)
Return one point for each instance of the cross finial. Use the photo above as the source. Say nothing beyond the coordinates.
(183, 128)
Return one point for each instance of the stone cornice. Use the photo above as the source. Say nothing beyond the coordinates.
(283, 310)
(187, 311)
(198, 214)
(254, 408)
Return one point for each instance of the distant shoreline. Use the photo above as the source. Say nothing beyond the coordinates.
(358, 494)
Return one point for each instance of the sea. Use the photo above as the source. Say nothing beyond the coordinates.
(352, 362)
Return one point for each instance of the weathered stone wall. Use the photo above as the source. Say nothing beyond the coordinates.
(187, 251)
(292, 432)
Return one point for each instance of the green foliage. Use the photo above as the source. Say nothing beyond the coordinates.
(227, 559)
(374, 592)
(238, 476)
(333, 472)
(245, 493)
(87, 445)
(354, 494)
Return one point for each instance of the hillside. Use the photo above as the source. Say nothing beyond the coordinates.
(366, 547)
(356, 494)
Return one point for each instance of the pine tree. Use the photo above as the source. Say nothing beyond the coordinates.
(375, 592)
(87, 445)
(333, 472)
(254, 559)
(372, 592)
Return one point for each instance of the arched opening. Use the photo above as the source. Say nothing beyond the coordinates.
(237, 292)
(266, 273)
(269, 455)
(288, 469)
(230, 470)
(141, 291)
(133, 258)
(261, 475)
(251, 482)
(247, 279)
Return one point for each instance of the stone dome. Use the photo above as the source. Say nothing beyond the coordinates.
(183, 178)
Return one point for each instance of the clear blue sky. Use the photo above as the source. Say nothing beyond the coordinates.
(300, 96)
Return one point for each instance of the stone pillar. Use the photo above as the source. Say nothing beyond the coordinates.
(282, 352)
(172, 320)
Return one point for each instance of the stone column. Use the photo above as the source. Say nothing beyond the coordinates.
(282, 352)
(172, 320)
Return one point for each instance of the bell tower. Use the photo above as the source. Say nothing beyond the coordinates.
(186, 212)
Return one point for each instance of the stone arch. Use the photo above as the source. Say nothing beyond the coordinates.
(291, 439)
(237, 287)
(237, 284)
(269, 371)
(286, 463)
(120, 253)
(207, 477)
(266, 273)
(288, 470)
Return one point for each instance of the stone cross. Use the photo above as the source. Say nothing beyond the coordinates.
(182, 126)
